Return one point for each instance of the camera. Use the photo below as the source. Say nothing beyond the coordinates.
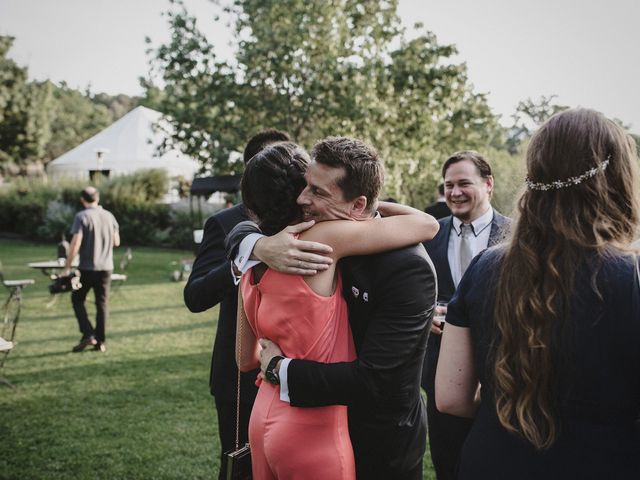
(65, 283)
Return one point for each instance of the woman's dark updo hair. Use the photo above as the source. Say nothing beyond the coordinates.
(271, 183)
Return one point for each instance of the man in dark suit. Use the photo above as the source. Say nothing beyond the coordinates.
(439, 209)
(212, 282)
(473, 226)
(390, 298)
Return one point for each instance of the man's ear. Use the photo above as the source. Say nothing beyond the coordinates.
(359, 206)
(489, 181)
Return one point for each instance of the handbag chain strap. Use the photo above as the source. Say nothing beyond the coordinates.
(242, 317)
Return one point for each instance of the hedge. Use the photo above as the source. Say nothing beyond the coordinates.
(42, 211)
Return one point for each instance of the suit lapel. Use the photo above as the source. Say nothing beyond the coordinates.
(498, 225)
(442, 253)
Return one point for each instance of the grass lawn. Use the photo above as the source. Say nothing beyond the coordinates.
(142, 410)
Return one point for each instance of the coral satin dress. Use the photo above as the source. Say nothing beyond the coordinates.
(290, 442)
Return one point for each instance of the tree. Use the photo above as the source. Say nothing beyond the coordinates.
(40, 121)
(117, 105)
(76, 117)
(530, 114)
(317, 68)
(25, 114)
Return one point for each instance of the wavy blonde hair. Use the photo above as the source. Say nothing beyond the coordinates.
(554, 232)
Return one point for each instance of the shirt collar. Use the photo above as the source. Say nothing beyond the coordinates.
(479, 224)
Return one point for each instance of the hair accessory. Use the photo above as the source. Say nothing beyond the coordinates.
(569, 182)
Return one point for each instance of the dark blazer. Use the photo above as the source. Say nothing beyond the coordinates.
(438, 210)
(211, 283)
(438, 251)
(390, 298)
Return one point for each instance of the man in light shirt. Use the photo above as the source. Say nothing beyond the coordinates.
(95, 232)
(472, 227)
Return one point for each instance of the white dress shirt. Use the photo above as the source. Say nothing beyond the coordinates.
(479, 241)
(243, 261)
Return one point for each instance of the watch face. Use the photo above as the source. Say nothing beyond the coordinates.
(270, 373)
(272, 377)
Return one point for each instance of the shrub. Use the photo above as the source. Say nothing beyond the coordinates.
(40, 210)
(57, 220)
(139, 222)
(23, 205)
(139, 187)
(181, 233)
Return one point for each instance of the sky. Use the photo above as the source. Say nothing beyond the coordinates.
(584, 51)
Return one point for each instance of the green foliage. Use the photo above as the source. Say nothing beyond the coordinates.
(39, 121)
(148, 185)
(140, 222)
(529, 115)
(117, 105)
(314, 69)
(38, 210)
(25, 114)
(76, 118)
(508, 175)
(23, 206)
(179, 233)
(57, 220)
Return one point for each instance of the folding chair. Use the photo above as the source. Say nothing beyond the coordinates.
(117, 279)
(10, 317)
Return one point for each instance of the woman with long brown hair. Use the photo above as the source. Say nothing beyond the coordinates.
(549, 323)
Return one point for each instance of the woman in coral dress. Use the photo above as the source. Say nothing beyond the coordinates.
(306, 316)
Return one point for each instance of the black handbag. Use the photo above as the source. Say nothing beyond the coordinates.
(236, 463)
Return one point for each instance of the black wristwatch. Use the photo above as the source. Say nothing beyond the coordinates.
(270, 373)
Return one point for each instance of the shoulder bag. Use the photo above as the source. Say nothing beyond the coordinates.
(236, 463)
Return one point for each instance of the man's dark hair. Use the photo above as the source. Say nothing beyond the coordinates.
(261, 140)
(364, 173)
(474, 157)
(441, 189)
(90, 194)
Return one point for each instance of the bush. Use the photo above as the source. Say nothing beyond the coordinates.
(140, 222)
(39, 210)
(181, 235)
(23, 206)
(139, 187)
(57, 220)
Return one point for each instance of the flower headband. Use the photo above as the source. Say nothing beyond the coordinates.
(557, 184)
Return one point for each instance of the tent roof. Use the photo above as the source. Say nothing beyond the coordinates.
(128, 144)
(205, 186)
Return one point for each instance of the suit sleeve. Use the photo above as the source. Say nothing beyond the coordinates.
(398, 326)
(236, 235)
(211, 277)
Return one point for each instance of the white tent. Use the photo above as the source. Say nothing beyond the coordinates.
(127, 145)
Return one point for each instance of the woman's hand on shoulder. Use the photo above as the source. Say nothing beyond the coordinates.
(285, 253)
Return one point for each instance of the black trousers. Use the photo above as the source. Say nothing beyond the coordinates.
(227, 424)
(447, 434)
(366, 471)
(100, 282)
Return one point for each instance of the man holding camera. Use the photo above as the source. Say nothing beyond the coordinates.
(95, 233)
